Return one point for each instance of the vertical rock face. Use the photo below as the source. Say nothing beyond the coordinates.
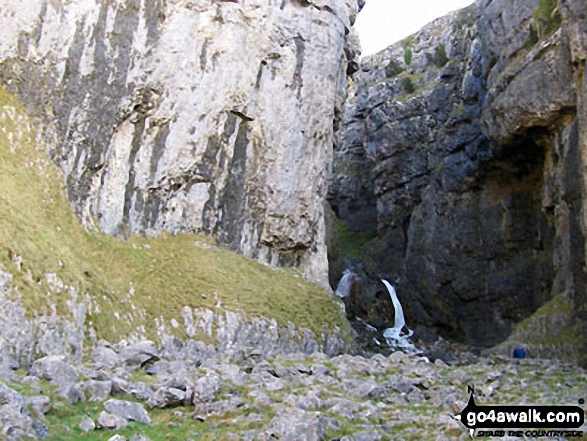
(189, 116)
(464, 145)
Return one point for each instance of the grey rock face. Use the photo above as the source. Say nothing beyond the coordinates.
(466, 166)
(22, 340)
(168, 123)
(529, 84)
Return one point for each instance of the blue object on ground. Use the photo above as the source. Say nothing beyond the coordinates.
(519, 353)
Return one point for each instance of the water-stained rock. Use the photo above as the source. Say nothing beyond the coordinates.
(167, 124)
(459, 150)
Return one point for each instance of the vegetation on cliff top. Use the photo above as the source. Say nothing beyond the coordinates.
(547, 18)
(130, 283)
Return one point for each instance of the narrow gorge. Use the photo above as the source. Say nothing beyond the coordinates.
(459, 176)
(183, 184)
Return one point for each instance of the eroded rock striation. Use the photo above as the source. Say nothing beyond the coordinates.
(463, 147)
(190, 116)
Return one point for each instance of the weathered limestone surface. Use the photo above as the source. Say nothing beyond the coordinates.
(473, 177)
(24, 339)
(190, 116)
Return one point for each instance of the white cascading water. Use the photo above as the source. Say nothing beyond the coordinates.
(393, 336)
(344, 286)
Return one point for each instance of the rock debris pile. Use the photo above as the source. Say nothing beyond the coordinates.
(140, 392)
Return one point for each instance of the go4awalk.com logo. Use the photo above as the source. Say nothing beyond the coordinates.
(529, 421)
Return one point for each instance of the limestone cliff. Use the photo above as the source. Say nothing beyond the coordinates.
(208, 116)
(463, 147)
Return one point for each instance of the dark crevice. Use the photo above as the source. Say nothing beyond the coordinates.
(124, 228)
(232, 205)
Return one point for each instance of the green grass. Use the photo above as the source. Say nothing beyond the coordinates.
(465, 18)
(393, 69)
(408, 56)
(353, 243)
(440, 57)
(548, 18)
(166, 424)
(543, 329)
(408, 85)
(408, 44)
(166, 272)
(411, 81)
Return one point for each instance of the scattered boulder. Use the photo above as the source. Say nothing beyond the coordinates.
(33, 383)
(55, 369)
(40, 404)
(166, 397)
(364, 389)
(206, 388)
(453, 429)
(110, 421)
(104, 357)
(342, 407)
(155, 366)
(319, 370)
(71, 392)
(10, 397)
(87, 425)
(138, 353)
(17, 424)
(98, 390)
(218, 408)
(292, 424)
(128, 410)
(367, 436)
(458, 377)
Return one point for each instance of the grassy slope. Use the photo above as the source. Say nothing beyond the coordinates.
(167, 273)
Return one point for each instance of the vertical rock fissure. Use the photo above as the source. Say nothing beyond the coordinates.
(125, 228)
(577, 288)
(233, 197)
(297, 82)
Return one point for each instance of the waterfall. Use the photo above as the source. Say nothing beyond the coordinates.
(393, 336)
(346, 282)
